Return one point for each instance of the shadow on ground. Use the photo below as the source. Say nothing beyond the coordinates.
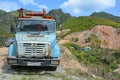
(28, 70)
(5, 68)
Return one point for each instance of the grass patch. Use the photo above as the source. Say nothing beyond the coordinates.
(97, 78)
(31, 78)
(24, 78)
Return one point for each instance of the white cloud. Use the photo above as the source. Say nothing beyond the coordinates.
(43, 6)
(8, 6)
(27, 2)
(33, 2)
(86, 6)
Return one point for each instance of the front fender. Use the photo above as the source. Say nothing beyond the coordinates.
(55, 51)
(12, 50)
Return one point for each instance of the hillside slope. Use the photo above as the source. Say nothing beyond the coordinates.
(106, 16)
(5, 21)
(106, 34)
(87, 23)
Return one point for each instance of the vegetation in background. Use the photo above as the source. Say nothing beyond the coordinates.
(86, 23)
(6, 21)
(106, 16)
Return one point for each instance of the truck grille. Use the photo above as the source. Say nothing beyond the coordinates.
(34, 49)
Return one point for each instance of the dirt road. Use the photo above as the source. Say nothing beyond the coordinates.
(3, 59)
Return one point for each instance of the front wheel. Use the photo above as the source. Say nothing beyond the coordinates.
(53, 68)
(12, 67)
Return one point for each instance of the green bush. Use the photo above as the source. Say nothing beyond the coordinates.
(92, 59)
(117, 56)
(81, 56)
(75, 39)
(96, 57)
(113, 65)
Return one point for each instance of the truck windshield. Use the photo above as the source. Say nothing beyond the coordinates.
(36, 25)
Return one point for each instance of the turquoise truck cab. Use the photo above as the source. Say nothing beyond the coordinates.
(35, 41)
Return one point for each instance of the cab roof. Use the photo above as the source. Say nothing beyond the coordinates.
(33, 15)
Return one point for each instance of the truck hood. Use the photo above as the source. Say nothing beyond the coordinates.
(35, 37)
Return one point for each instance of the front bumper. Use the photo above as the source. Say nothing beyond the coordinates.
(32, 62)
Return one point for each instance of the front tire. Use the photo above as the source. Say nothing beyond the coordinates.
(12, 67)
(54, 68)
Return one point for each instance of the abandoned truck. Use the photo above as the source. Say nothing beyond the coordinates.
(35, 41)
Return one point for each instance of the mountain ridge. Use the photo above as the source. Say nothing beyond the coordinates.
(59, 16)
(106, 15)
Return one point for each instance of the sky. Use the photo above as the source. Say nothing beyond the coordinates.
(74, 7)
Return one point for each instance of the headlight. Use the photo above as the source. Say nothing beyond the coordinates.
(20, 49)
(56, 62)
(12, 61)
(47, 50)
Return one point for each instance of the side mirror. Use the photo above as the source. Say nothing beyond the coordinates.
(7, 43)
(12, 29)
